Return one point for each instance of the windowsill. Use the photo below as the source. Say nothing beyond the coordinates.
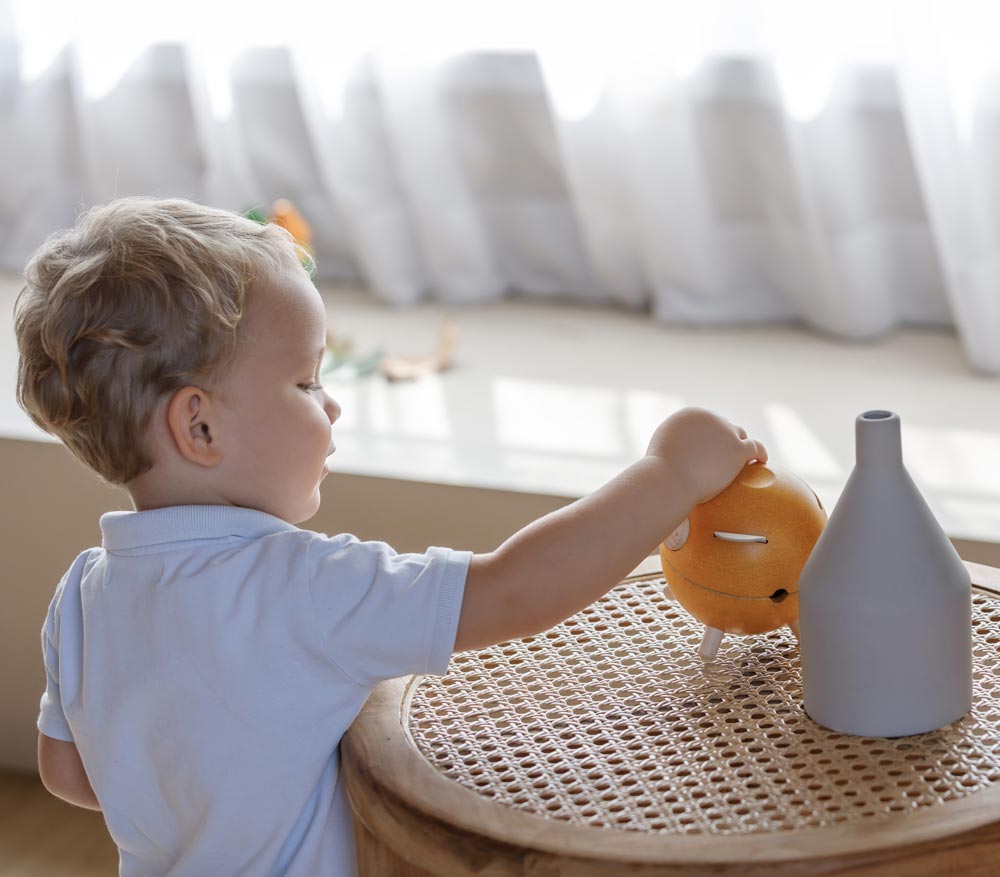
(554, 400)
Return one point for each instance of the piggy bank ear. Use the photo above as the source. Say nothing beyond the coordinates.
(675, 541)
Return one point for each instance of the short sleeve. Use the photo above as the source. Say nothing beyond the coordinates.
(382, 614)
(51, 718)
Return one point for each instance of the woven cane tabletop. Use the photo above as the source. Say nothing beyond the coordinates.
(612, 721)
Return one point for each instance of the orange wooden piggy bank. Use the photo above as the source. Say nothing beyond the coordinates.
(735, 562)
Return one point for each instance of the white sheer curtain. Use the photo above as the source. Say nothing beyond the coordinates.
(719, 163)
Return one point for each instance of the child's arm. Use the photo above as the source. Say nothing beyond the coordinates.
(566, 560)
(62, 772)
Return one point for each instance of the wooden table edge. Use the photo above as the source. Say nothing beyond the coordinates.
(378, 750)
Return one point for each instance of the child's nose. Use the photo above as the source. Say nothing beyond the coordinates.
(332, 408)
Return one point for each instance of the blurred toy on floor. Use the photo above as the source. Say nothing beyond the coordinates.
(340, 361)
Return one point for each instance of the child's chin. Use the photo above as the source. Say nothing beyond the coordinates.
(294, 513)
(309, 509)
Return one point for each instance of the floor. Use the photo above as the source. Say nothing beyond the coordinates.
(41, 836)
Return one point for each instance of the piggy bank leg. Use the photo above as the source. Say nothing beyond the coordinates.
(668, 593)
(794, 627)
(710, 643)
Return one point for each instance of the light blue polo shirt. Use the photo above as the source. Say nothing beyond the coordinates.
(207, 660)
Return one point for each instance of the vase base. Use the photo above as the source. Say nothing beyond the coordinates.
(883, 731)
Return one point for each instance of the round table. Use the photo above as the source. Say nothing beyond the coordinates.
(606, 746)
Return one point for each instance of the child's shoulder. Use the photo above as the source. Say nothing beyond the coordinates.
(341, 547)
(75, 573)
(323, 551)
(315, 540)
(82, 564)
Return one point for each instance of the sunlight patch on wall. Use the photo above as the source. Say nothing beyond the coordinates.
(379, 409)
(793, 444)
(972, 518)
(644, 411)
(956, 461)
(547, 416)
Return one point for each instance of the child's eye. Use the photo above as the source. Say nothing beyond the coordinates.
(310, 388)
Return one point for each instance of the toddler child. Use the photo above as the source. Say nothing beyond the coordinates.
(203, 664)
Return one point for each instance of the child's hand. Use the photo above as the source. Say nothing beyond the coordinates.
(705, 450)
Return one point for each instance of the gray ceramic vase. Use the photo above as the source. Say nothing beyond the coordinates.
(885, 603)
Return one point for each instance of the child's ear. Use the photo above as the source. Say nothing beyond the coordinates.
(190, 418)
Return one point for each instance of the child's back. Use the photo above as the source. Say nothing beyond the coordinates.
(206, 662)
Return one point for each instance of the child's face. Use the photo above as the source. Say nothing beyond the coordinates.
(274, 416)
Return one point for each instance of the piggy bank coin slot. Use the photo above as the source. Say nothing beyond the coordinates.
(739, 537)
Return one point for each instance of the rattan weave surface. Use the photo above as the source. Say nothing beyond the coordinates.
(612, 720)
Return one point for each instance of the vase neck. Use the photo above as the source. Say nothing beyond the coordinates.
(877, 439)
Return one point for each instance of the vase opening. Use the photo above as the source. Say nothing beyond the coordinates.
(876, 415)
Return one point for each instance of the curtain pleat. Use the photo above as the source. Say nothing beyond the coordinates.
(715, 189)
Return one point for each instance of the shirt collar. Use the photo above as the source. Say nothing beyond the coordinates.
(122, 530)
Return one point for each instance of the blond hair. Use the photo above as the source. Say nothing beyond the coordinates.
(142, 297)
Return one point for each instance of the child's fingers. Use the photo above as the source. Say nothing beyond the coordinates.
(755, 450)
